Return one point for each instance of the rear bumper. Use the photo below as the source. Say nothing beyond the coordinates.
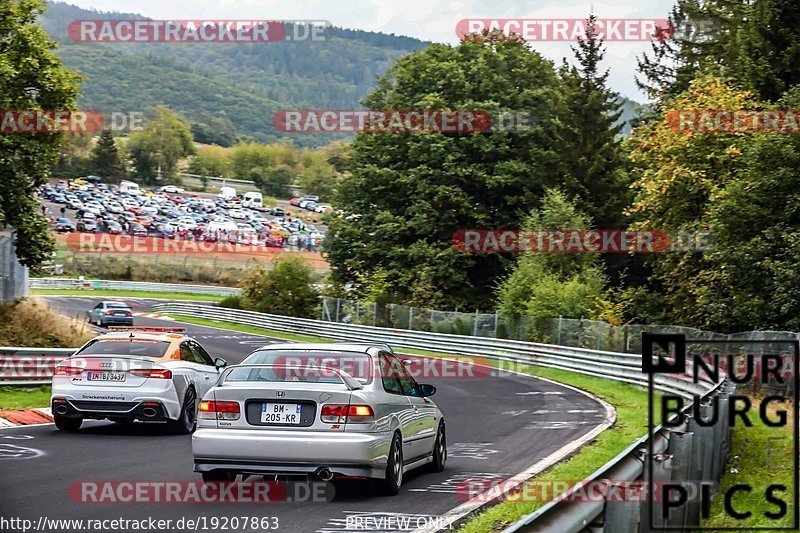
(291, 452)
(99, 402)
(118, 320)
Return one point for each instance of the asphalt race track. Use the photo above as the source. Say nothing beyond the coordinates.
(496, 427)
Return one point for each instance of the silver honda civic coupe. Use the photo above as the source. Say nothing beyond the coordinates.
(324, 410)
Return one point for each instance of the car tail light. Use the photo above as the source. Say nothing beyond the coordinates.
(340, 414)
(109, 313)
(68, 371)
(128, 314)
(155, 373)
(213, 410)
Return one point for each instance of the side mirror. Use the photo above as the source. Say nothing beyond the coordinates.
(427, 390)
(219, 362)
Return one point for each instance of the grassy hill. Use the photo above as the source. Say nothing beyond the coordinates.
(234, 86)
(230, 91)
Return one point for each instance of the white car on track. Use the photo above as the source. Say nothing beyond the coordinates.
(138, 373)
(325, 410)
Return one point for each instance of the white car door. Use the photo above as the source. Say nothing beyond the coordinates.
(207, 371)
(423, 413)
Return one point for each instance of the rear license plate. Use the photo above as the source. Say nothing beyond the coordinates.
(280, 413)
(106, 376)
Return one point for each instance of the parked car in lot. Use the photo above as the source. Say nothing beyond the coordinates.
(172, 189)
(113, 227)
(324, 410)
(64, 225)
(137, 230)
(86, 225)
(110, 312)
(150, 374)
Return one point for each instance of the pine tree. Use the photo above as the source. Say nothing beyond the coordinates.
(105, 158)
(593, 166)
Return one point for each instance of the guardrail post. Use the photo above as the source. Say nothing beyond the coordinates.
(720, 453)
(680, 447)
(624, 514)
(652, 506)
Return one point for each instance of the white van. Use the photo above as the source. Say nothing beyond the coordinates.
(129, 186)
(226, 193)
(253, 200)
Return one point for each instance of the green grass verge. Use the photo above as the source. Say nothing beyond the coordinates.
(631, 423)
(758, 462)
(110, 293)
(24, 398)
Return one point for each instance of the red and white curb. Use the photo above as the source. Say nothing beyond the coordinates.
(153, 315)
(25, 417)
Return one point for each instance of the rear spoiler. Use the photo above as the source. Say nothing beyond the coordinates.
(148, 328)
(349, 381)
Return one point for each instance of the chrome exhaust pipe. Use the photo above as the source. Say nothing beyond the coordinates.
(324, 474)
(62, 409)
(149, 412)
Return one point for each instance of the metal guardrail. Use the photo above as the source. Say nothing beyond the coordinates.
(30, 366)
(622, 367)
(101, 284)
(690, 452)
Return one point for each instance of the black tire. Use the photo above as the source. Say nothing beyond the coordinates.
(390, 486)
(71, 424)
(439, 450)
(217, 476)
(186, 422)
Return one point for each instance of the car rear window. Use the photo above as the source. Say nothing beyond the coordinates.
(135, 347)
(306, 365)
(117, 305)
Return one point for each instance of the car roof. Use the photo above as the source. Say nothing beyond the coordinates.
(332, 346)
(144, 336)
(116, 302)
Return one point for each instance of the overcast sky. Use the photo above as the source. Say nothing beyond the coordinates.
(432, 20)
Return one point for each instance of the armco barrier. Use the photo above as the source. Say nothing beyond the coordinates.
(30, 366)
(609, 365)
(101, 284)
(689, 452)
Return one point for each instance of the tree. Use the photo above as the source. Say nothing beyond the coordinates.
(165, 140)
(547, 285)
(752, 278)
(105, 158)
(287, 289)
(31, 77)
(317, 175)
(754, 42)
(413, 191)
(593, 168)
(272, 167)
(677, 177)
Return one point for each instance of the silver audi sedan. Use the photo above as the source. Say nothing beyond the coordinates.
(325, 410)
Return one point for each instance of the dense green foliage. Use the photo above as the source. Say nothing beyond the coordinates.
(31, 77)
(288, 289)
(414, 191)
(156, 150)
(545, 285)
(229, 91)
(105, 158)
(755, 42)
